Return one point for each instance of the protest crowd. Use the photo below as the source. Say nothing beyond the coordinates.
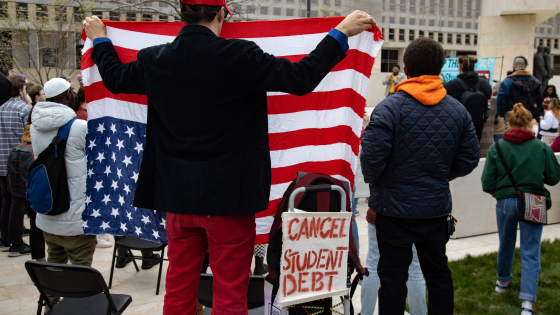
(423, 135)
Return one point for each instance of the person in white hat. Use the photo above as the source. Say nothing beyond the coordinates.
(64, 233)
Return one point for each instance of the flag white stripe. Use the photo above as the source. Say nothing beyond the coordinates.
(313, 153)
(264, 224)
(278, 46)
(110, 107)
(339, 80)
(315, 119)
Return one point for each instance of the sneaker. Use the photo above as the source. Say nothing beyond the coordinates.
(500, 288)
(4, 247)
(527, 311)
(102, 242)
(148, 264)
(22, 249)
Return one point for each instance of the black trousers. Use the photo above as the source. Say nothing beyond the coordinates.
(395, 237)
(36, 238)
(478, 129)
(11, 216)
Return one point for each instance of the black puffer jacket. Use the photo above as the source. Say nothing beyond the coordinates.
(411, 151)
(455, 90)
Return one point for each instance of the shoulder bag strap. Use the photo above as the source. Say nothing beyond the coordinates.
(65, 130)
(462, 84)
(508, 171)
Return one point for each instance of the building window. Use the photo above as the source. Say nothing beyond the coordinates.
(432, 7)
(289, 1)
(389, 58)
(391, 20)
(131, 16)
(315, 2)
(78, 14)
(411, 21)
(337, 14)
(410, 35)
(468, 25)
(250, 9)
(450, 38)
(556, 65)
(401, 35)
(449, 23)
(412, 6)
(467, 39)
(459, 24)
(391, 34)
(302, 13)
(432, 23)
(402, 6)
(541, 42)
(383, 19)
(147, 17)
(548, 42)
(289, 12)
(48, 57)
(441, 7)
(21, 11)
(277, 11)
(460, 8)
(264, 10)
(440, 37)
(542, 30)
(555, 44)
(476, 39)
(391, 5)
(475, 26)
(99, 14)
(469, 8)
(458, 37)
(440, 23)
(314, 13)
(422, 22)
(41, 12)
(549, 31)
(450, 8)
(402, 21)
(163, 5)
(114, 16)
(431, 35)
(420, 33)
(338, 3)
(327, 2)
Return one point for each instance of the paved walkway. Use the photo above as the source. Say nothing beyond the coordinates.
(18, 296)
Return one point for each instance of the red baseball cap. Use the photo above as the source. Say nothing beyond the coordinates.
(216, 3)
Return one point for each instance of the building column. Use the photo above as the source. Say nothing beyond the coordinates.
(33, 50)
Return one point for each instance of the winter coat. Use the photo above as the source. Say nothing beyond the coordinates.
(504, 103)
(531, 161)
(416, 142)
(470, 78)
(47, 118)
(387, 82)
(549, 124)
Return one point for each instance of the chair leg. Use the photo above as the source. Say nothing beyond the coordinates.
(133, 260)
(160, 268)
(40, 307)
(113, 265)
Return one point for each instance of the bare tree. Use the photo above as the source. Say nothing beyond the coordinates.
(42, 43)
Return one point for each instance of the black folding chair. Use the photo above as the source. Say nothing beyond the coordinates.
(131, 242)
(255, 294)
(82, 288)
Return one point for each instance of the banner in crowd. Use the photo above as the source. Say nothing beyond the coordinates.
(484, 66)
(314, 256)
(316, 133)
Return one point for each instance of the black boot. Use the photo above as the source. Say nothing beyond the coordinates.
(260, 267)
(122, 261)
(148, 264)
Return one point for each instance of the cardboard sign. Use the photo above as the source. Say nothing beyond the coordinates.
(314, 256)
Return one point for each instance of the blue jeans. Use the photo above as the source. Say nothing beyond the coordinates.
(370, 285)
(498, 137)
(355, 235)
(506, 215)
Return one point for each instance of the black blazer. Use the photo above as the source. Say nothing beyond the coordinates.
(194, 163)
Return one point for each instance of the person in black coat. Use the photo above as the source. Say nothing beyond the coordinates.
(211, 179)
(470, 78)
(5, 89)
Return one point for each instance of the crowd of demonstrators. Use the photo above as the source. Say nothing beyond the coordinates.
(466, 81)
(14, 115)
(81, 105)
(549, 92)
(223, 226)
(393, 80)
(408, 171)
(532, 164)
(37, 94)
(63, 233)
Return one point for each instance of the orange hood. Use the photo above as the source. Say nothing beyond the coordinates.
(426, 89)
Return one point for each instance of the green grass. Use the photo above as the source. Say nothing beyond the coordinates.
(474, 279)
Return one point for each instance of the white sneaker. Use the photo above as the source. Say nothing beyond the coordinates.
(102, 243)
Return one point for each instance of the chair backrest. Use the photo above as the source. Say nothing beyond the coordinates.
(255, 292)
(64, 280)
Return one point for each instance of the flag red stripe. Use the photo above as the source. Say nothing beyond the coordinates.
(126, 55)
(97, 91)
(286, 174)
(325, 136)
(285, 104)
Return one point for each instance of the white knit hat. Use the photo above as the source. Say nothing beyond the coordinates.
(55, 87)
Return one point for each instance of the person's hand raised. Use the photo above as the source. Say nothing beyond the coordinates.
(355, 23)
(94, 28)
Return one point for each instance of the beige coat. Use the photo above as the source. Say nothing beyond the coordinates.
(387, 82)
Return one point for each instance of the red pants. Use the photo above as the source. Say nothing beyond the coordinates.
(231, 241)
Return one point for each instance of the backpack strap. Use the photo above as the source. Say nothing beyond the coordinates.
(515, 79)
(478, 84)
(462, 84)
(65, 130)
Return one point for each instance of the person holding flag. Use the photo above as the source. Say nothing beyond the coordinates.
(210, 179)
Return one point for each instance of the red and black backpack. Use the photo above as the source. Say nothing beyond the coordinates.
(311, 202)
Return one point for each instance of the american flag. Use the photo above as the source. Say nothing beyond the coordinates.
(316, 133)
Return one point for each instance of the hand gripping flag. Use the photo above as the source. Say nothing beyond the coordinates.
(316, 133)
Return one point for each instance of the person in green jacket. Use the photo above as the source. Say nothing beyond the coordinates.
(532, 164)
